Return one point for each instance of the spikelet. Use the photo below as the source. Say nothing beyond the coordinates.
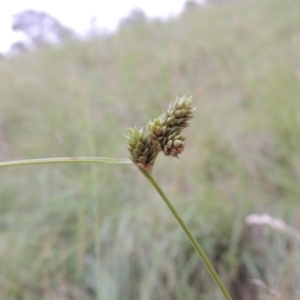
(173, 144)
(141, 148)
(169, 125)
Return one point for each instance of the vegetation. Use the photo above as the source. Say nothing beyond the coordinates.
(89, 231)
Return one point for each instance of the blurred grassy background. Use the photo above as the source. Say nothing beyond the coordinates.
(87, 231)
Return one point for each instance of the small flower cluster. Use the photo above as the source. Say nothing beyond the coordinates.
(163, 134)
(141, 149)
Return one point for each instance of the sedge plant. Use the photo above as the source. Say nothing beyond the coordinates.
(163, 134)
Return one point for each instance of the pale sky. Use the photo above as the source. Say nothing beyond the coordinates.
(77, 14)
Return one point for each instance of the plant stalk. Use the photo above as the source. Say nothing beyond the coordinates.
(65, 160)
(192, 239)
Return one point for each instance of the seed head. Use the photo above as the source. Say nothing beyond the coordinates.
(179, 113)
(162, 134)
(170, 123)
(141, 148)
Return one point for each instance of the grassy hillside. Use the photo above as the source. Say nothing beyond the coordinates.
(85, 231)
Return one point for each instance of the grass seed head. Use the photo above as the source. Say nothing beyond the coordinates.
(168, 126)
(141, 148)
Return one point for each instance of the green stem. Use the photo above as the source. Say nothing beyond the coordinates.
(192, 239)
(65, 160)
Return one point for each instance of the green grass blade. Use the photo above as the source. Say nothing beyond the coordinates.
(65, 160)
